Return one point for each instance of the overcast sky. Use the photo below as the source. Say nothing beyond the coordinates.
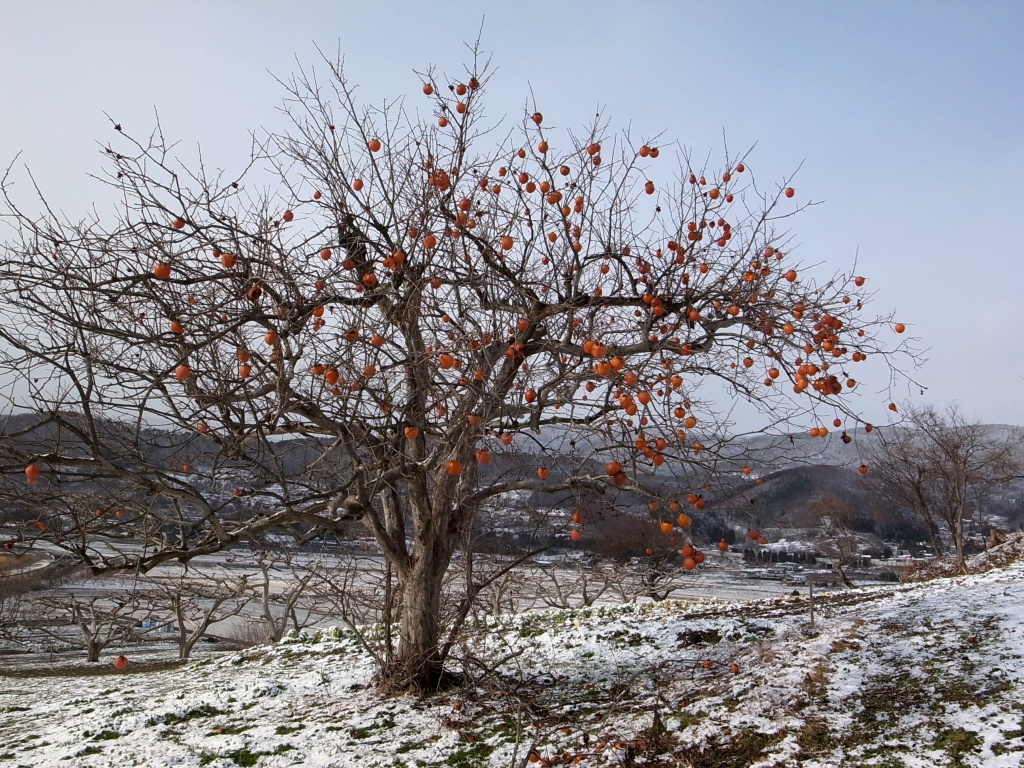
(908, 118)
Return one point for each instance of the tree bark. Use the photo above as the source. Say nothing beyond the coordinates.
(92, 649)
(185, 649)
(842, 575)
(418, 662)
(958, 540)
(184, 646)
(935, 538)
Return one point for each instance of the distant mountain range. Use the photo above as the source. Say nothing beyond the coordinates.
(787, 474)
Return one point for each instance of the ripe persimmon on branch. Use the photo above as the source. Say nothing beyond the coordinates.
(420, 292)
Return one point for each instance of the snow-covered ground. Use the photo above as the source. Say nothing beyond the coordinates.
(927, 674)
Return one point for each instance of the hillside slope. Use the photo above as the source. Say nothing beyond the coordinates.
(919, 675)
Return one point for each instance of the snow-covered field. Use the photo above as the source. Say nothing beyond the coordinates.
(927, 674)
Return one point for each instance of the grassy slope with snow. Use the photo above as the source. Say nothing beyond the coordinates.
(921, 675)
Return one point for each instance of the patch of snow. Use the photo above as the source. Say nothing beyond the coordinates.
(931, 674)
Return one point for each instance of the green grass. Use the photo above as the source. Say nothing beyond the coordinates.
(203, 710)
(244, 756)
(85, 752)
(472, 757)
(957, 743)
(737, 752)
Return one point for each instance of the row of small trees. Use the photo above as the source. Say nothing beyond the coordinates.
(60, 606)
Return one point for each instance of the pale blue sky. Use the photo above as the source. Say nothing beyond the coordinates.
(908, 117)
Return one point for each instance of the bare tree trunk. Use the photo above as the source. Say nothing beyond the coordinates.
(187, 639)
(842, 575)
(275, 625)
(92, 648)
(94, 639)
(391, 596)
(185, 648)
(418, 661)
(960, 560)
(935, 539)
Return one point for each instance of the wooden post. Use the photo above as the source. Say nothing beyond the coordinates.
(810, 595)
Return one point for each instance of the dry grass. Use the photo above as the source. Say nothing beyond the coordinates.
(815, 684)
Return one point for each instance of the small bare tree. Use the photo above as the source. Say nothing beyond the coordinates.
(577, 584)
(834, 519)
(937, 463)
(12, 623)
(905, 471)
(21, 575)
(281, 589)
(196, 600)
(655, 576)
(349, 587)
(77, 618)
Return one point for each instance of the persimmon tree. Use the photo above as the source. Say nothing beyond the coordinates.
(417, 293)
